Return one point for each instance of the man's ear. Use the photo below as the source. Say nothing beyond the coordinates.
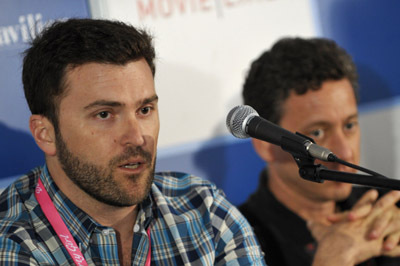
(43, 132)
(264, 149)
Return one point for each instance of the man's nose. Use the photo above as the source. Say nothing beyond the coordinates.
(132, 132)
(342, 146)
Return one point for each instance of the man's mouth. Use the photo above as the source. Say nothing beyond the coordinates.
(132, 165)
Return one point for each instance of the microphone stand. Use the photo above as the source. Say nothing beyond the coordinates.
(318, 173)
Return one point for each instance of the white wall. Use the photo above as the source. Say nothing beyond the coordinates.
(204, 50)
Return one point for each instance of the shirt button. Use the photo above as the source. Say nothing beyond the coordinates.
(136, 228)
(106, 231)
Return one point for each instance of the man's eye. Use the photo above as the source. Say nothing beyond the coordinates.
(350, 126)
(319, 133)
(145, 110)
(104, 115)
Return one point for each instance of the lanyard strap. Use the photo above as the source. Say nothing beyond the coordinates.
(61, 229)
(148, 259)
(58, 224)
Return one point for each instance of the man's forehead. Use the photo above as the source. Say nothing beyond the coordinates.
(101, 82)
(336, 101)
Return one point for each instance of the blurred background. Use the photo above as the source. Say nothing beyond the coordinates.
(204, 50)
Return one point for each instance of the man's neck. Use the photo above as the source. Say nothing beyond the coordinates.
(303, 206)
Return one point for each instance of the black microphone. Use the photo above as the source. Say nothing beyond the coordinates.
(244, 122)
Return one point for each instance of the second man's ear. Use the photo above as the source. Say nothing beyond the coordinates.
(263, 149)
(270, 152)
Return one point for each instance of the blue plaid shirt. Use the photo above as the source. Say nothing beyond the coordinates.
(191, 223)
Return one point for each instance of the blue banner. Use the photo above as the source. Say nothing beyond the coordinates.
(368, 30)
(20, 20)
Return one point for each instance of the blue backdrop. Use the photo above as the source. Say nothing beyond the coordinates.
(369, 31)
(19, 20)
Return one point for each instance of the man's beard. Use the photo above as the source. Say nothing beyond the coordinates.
(99, 182)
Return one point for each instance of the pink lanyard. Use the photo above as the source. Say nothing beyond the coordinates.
(61, 229)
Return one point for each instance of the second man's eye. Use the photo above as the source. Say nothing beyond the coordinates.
(318, 133)
(351, 125)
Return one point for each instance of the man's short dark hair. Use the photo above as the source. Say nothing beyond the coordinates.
(295, 64)
(65, 45)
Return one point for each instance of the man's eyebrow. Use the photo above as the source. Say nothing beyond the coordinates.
(117, 104)
(353, 116)
(149, 100)
(325, 123)
(103, 103)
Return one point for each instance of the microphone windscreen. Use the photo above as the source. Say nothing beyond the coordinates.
(237, 120)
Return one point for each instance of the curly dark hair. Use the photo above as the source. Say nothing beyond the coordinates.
(295, 64)
(65, 45)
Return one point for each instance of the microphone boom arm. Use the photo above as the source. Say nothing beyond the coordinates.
(318, 173)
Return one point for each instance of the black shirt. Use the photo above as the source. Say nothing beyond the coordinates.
(283, 235)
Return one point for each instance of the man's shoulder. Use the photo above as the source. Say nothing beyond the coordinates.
(22, 186)
(175, 184)
(188, 193)
(16, 202)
